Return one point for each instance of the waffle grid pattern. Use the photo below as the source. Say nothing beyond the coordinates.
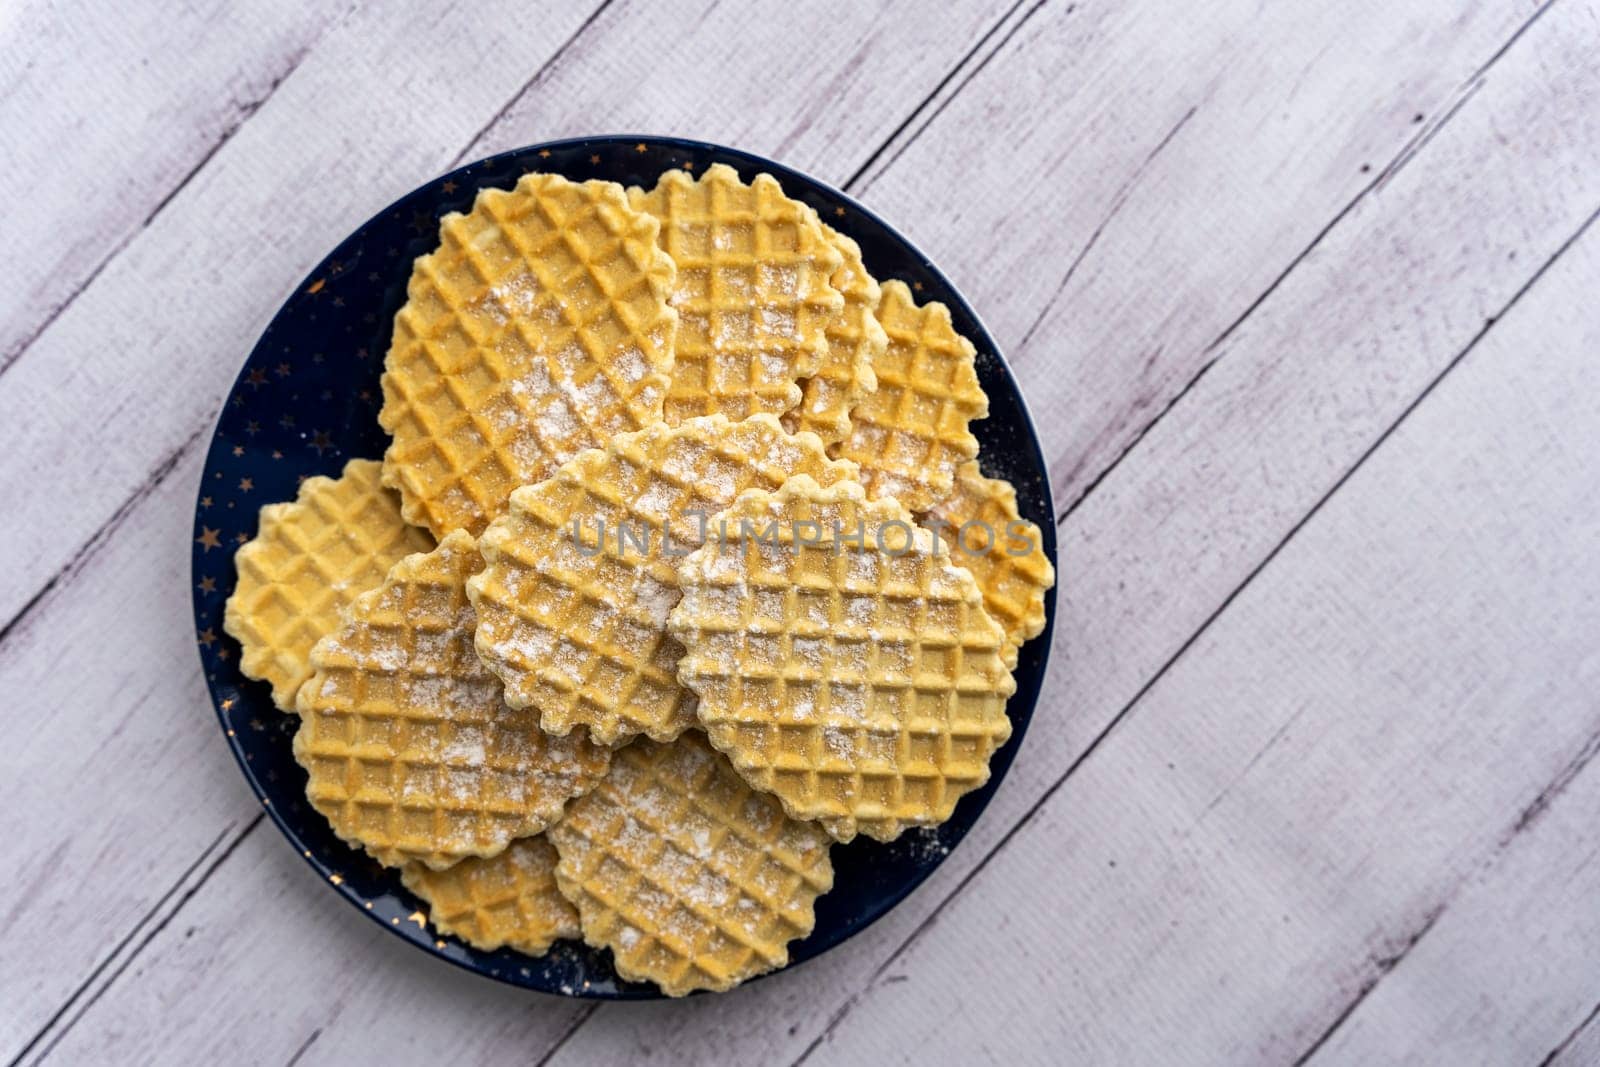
(540, 327)
(309, 560)
(582, 637)
(689, 877)
(1013, 586)
(409, 750)
(753, 293)
(912, 433)
(864, 688)
(510, 899)
(855, 343)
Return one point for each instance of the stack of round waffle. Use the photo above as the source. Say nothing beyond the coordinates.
(679, 567)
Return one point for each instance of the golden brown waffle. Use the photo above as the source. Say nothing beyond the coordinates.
(911, 434)
(980, 523)
(310, 558)
(854, 675)
(855, 343)
(577, 629)
(410, 751)
(539, 328)
(689, 877)
(753, 295)
(509, 899)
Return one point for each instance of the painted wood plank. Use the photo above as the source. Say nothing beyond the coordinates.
(1159, 546)
(67, 835)
(144, 709)
(194, 289)
(1507, 974)
(356, 994)
(100, 120)
(714, 1032)
(1292, 806)
(800, 973)
(1124, 218)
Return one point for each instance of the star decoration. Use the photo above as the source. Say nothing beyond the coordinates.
(208, 538)
(418, 918)
(640, 147)
(321, 442)
(338, 301)
(257, 378)
(688, 165)
(246, 484)
(276, 454)
(361, 353)
(240, 537)
(226, 704)
(336, 879)
(205, 502)
(283, 370)
(207, 636)
(315, 287)
(917, 286)
(438, 944)
(544, 153)
(839, 211)
(238, 450)
(208, 584)
(594, 160)
(448, 187)
(252, 427)
(257, 725)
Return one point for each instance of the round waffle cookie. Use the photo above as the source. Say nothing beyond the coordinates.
(842, 661)
(689, 877)
(539, 328)
(581, 572)
(310, 558)
(509, 899)
(911, 434)
(753, 293)
(410, 751)
(855, 342)
(986, 534)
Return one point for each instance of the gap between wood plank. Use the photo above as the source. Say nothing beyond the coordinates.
(127, 940)
(90, 547)
(1122, 714)
(1572, 1036)
(1524, 820)
(851, 183)
(243, 113)
(1465, 92)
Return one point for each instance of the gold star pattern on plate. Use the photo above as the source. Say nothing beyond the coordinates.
(208, 538)
(208, 584)
(207, 636)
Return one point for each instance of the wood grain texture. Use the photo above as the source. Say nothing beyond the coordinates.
(1257, 827)
(99, 127)
(1250, 312)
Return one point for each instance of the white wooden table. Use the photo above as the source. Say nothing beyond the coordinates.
(1305, 297)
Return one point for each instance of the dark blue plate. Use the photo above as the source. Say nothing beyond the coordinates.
(307, 400)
